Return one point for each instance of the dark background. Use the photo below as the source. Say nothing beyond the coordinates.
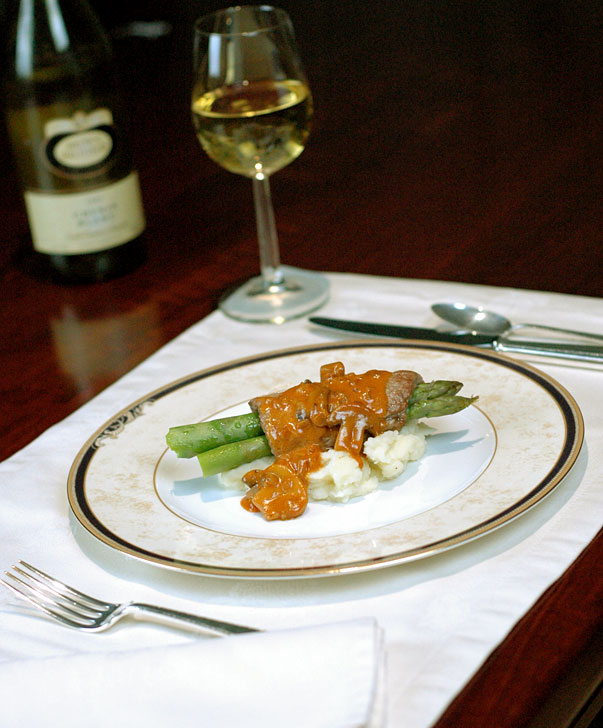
(459, 141)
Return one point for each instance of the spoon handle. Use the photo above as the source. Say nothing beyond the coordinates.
(543, 327)
(575, 352)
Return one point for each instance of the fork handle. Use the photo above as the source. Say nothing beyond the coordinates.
(178, 619)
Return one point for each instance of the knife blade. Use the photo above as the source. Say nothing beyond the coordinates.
(405, 332)
(558, 350)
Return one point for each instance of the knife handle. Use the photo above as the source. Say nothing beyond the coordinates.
(574, 352)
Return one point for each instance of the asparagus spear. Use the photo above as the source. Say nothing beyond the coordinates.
(232, 441)
(229, 456)
(446, 405)
(233, 454)
(189, 440)
(431, 390)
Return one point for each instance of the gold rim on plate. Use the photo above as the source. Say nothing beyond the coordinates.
(522, 440)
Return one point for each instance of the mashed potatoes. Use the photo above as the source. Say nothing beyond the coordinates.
(339, 479)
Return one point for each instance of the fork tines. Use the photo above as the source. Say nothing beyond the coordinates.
(58, 600)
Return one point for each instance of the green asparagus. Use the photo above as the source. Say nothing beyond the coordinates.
(446, 405)
(431, 390)
(227, 457)
(190, 440)
(226, 443)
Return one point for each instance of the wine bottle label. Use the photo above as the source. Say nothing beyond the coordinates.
(81, 145)
(86, 222)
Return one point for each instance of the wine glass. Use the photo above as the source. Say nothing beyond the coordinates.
(252, 109)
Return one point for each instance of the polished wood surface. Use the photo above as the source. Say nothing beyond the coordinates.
(452, 141)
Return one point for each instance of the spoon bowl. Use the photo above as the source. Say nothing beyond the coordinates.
(480, 321)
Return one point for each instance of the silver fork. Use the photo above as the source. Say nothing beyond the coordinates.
(75, 609)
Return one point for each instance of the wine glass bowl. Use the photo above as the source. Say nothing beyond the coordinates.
(259, 127)
(252, 112)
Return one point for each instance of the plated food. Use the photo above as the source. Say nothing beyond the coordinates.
(335, 438)
(484, 467)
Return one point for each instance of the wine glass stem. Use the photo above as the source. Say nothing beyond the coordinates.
(267, 237)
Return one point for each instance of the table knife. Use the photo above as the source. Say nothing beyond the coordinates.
(557, 350)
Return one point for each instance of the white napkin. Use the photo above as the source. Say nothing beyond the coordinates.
(327, 676)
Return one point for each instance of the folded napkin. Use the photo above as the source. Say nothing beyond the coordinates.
(326, 676)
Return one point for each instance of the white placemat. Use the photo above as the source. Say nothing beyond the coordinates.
(441, 616)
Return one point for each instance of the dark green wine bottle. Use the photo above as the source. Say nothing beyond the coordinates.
(66, 123)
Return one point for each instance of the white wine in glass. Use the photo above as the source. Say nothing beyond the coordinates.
(252, 110)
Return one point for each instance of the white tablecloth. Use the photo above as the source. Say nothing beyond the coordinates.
(441, 616)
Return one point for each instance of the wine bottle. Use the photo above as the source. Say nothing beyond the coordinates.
(66, 124)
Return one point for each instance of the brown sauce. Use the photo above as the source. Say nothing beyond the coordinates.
(301, 422)
(280, 490)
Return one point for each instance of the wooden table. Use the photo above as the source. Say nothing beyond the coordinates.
(454, 143)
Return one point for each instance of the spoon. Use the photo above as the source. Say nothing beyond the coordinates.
(477, 319)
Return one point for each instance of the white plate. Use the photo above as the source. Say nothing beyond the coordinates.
(483, 467)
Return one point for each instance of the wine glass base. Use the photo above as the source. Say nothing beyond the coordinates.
(301, 292)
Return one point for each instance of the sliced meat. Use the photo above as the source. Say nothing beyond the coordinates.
(339, 411)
